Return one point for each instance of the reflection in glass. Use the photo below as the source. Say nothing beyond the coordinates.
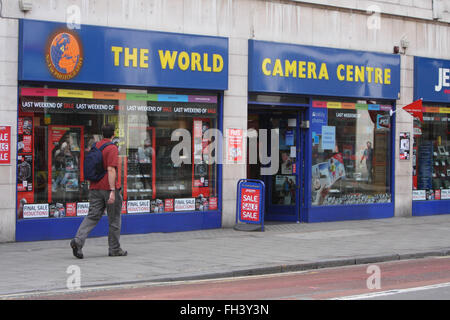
(351, 156)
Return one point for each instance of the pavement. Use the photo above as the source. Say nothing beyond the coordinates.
(46, 266)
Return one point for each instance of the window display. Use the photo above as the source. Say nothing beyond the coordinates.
(57, 127)
(351, 148)
(431, 155)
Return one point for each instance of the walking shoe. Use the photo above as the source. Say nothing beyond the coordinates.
(76, 249)
(118, 253)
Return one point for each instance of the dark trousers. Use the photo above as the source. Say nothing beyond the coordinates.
(370, 171)
(97, 204)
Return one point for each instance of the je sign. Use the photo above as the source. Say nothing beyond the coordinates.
(250, 202)
(5, 145)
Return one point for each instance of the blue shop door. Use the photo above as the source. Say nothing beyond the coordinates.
(283, 185)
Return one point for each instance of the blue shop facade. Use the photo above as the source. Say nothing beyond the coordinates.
(431, 146)
(149, 84)
(332, 114)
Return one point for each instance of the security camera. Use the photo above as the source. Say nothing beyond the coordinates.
(25, 5)
(404, 43)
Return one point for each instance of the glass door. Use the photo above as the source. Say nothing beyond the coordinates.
(282, 186)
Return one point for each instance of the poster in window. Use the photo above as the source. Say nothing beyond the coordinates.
(201, 203)
(419, 195)
(25, 135)
(445, 194)
(186, 204)
(213, 203)
(65, 165)
(235, 145)
(138, 206)
(383, 122)
(168, 205)
(437, 194)
(57, 210)
(35, 211)
(405, 150)
(201, 169)
(25, 125)
(82, 209)
(71, 209)
(286, 162)
(157, 206)
(328, 137)
(24, 173)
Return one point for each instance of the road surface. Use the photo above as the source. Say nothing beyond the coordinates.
(427, 278)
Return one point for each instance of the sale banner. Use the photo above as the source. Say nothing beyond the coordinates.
(235, 145)
(35, 211)
(437, 194)
(168, 205)
(445, 194)
(27, 144)
(82, 209)
(186, 204)
(5, 145)
(71, 209)
(138, 206)
(213, 203)
(250, 204)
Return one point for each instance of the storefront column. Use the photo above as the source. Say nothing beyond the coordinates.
(404, 123)
(8, 107)
(234, 117)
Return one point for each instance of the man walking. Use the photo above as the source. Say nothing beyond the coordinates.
(103, 194)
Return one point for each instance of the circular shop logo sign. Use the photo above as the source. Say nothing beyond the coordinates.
(64, 55)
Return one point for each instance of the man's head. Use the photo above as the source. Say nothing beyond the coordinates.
(108, 130)
(369, 144)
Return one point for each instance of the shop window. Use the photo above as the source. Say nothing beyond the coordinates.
(57, 127)
(431, 155)
(351, 150)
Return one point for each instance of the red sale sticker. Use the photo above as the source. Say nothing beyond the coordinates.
(213, 203)
(71, 209)
(168, 205)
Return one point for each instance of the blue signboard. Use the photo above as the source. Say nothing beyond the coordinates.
(298, 69)
(250, 202)
(112, 56)
(432, 80)
(319, 118)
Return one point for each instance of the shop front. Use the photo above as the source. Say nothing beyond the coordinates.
(163, 92)
(431, 147)
(327, 111)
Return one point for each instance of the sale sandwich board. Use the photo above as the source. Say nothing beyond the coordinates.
(250, 205)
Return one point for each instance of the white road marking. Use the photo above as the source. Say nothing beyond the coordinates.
(392, 292)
